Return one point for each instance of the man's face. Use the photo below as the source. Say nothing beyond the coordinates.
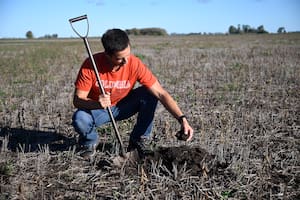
(120, 58)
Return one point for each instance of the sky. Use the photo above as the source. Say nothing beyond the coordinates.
(47, 17)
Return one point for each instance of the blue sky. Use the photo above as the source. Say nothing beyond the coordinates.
(175, 16)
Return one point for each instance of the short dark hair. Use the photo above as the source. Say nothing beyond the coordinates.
(114, 40)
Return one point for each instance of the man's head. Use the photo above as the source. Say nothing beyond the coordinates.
(117, 46)
(114, 40)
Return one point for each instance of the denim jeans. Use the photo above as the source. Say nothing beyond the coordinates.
(138, 101)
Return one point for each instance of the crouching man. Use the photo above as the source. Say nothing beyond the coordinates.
(119, 70)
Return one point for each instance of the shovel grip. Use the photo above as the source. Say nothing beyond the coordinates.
(76, 19)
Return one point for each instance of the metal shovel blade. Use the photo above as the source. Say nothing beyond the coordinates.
(130, 157)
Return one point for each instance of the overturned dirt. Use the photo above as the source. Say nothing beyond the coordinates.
(169, 160)
(193, 159)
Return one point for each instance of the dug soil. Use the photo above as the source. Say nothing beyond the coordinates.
(170, 160)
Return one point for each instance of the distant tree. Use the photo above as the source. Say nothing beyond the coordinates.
(261, 29)
(233, 30)
(153, 31)
(133, 31)
(239, 28)
(252, 30)
(48, 36)
(246, 28)
(281, 30)
(29, 35)
(146, 31)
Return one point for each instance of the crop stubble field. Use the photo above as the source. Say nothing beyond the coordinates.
(241, 94)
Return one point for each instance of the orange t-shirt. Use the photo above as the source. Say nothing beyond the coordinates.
(118, 83)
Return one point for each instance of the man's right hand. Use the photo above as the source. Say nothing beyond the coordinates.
(104, 100)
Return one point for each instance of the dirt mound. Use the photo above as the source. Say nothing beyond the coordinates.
(195, 160)
(169, 160)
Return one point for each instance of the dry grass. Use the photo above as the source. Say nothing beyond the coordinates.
(241, 94)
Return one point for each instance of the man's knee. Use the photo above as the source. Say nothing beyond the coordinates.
(82, 121)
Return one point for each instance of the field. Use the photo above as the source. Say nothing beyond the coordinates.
(241, 94)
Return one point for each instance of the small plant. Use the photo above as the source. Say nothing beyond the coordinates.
(6, 168)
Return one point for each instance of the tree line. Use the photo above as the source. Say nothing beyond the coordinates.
(248, 29)
(29, 35)
(146, 31)
(240, 29)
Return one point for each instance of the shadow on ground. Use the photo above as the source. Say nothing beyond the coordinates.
(18, 139)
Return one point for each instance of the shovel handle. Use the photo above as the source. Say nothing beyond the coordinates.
(76, 19)
(85, 40)
(101, 88)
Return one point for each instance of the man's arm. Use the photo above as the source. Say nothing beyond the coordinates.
(82, 101)
(170, 104)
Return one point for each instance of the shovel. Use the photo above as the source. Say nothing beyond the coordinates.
(101, 88)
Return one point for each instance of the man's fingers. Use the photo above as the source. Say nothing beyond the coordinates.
(190, 135)
(182, 135)
(104, 100)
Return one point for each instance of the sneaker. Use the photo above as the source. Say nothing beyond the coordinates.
(88, 152)
(143, 147)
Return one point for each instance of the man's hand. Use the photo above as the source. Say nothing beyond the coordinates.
(187, 131)
(104, 100)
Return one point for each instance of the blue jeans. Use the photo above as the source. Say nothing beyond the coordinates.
(139, 100)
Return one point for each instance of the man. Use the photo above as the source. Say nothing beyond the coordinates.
(119, 70)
